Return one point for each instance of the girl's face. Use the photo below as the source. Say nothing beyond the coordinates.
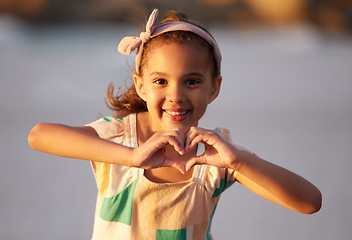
(177, 85)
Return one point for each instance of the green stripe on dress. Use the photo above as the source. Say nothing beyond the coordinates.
(210, 221)
(178, 234)
(223, 186)
(108, 118)
(119, 207)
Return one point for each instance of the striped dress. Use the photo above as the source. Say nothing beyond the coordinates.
(129, 206)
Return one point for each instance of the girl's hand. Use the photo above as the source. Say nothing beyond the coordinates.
(218, 152)
(152, 153)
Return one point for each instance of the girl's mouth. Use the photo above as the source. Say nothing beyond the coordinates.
(176, 115)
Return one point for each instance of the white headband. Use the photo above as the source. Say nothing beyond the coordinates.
(129, 44)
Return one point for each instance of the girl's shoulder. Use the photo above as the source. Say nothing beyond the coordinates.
(215, 180)
(110, 127)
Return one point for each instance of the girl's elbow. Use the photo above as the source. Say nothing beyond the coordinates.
(317, 203)
(314, 205)
(34, 137)
(312, 209)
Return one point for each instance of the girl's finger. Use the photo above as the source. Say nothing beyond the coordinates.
(193, 161)
(161, 140)
(176, 164)
(177, 143)
(191, 134)
(180, 138)
(198, 135)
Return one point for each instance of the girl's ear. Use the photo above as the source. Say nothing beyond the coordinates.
(215, 89)
(138, 83)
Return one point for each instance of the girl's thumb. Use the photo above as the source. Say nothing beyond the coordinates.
(193, 161)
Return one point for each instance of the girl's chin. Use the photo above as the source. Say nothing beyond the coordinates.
(183, 126)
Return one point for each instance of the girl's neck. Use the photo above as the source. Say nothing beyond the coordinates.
(143, 131)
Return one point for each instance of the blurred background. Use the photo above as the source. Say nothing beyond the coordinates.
(286, 95)
(329, 15)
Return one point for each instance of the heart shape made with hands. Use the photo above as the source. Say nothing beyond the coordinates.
(174, 149)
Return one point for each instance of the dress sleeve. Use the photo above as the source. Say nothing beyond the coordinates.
(220, 179)
(108, 127)
(111, 129)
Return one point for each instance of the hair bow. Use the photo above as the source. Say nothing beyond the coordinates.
(129, 44)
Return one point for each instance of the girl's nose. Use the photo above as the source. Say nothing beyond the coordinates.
(175, 93)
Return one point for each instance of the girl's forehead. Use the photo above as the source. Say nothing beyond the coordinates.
(176, 56)
(177, 50)
(171, 46)
(183, 39)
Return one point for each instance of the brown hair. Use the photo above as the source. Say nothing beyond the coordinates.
(127, 100)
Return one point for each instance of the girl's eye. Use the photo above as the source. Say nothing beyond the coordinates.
(192, 82)
(160, 81)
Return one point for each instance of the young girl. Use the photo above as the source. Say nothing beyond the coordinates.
(154, 181)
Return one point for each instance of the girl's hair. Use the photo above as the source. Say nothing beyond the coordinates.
(127, 100)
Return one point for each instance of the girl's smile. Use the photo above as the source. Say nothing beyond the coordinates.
(177, 85)
(176, 115)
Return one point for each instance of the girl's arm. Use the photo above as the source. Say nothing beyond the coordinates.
(84, 143)
(77, 142)
(277, 184)
(263, 178)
